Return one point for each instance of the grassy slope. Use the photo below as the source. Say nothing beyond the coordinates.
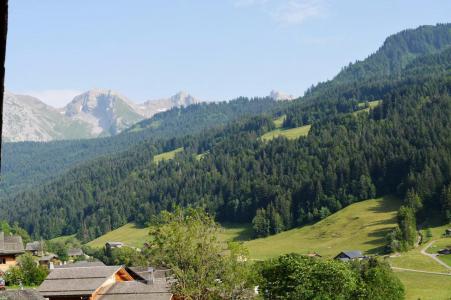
(425, 286)
(360, 226)
(166, 155)
(129, 234)
(413, 259)
(135, 236)
(371, 105)
(292, 133)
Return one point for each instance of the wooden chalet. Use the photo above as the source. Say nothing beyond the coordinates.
(350, 255)
(100, 283)
(11, 246)
(75, 253)
(36, 248)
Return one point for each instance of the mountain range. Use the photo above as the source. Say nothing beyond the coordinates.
(95, 113)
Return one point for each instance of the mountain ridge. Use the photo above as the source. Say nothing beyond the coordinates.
(94, 113)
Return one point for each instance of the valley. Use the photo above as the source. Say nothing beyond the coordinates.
(359, 163)
(359, 226)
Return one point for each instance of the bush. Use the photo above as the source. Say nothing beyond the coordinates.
(27, 272)
(294, 276)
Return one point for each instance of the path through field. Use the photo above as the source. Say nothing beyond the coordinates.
(434, 256)
(420, 271)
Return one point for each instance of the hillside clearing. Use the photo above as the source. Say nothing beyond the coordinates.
(279, 121)
(360, 226)
(291, 134)
(371, 105)
(129, 234)
(132, 235)
(166, 155)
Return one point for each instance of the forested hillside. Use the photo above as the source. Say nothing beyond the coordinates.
(30, 163)
(350, 154)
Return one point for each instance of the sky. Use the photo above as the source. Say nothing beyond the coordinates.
(213, 49)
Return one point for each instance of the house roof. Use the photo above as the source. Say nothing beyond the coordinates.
(351, 254)
(10, 244)
(48, 257)
(75, 252)
(83, 263)
(114, 244)
(134, 290)
(33, 246)
(20, 295)
(76, 280)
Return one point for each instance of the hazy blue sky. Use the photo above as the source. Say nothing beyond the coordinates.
(214, 49)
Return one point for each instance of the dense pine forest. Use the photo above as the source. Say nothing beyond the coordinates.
(353, 151)
(31, 163)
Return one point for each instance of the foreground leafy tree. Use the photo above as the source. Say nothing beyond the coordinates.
(27, 272)
(204, 267)
(293, 276)
(15, 229)
(378, 282)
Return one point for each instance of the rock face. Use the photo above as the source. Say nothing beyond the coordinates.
(151, 107)
(28, 119)
(280, 96)
(106, 112)
(92, 114)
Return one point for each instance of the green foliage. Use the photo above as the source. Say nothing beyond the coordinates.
(127, 256)
(413, 201)
(27, 272)
(30, 164)
(15, 230)
(204, 267)
(294, 276)
(407, 225)
(378, 282)
(261, 224)
(61, 246)
(446, 202)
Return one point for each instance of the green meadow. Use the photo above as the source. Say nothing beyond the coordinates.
(166, 155)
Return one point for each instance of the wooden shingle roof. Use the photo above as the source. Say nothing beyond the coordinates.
(10, 244)
(76, 281)
(134, 290)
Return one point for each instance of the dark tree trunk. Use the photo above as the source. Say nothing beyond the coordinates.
(4, 16)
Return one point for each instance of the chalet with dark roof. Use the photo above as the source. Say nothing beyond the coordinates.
(350, 255)
(11, 246)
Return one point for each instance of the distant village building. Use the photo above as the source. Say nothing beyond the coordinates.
(49, 261)
(75, 253)
(445, 251)
(101, 283)
(82, 264)
(36, 248)
(11, 246)
(350, 255)
(112, 245)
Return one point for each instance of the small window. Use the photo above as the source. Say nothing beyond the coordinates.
(2, 261)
